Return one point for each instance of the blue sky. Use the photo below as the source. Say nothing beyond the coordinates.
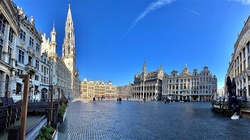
(115, 37)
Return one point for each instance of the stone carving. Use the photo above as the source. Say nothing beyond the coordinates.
(32, 20)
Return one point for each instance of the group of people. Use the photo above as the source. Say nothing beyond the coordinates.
(167, 101)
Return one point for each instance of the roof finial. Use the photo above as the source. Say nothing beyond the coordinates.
(53, 29)
(69, 5)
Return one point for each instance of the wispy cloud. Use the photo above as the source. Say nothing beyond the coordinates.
(153, 6)
(244, 2)
(193, 11)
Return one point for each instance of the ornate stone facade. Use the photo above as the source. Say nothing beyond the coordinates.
(61, 76)
(29, 57)
(239, 66)
(9, 30)
(148, 85)
(90, 89)
(189, 86)
(23, 50)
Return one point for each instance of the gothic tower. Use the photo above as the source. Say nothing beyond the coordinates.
(68, 47)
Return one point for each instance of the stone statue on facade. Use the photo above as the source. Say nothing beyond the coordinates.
(232, 98)
(32, 20)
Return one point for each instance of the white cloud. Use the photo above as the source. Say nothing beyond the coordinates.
(244, 2)
(153, 6)
(193, 11)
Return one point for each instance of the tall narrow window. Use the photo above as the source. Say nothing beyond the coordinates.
(10, 53)
(1, 48)
(2, 24)
(44, 71)
(68, 50)
(11, 35)
(244, 65)
(30, 60)
(36, 77)
(22, 35)
(37, 47)
(37, 64)
(243, 53)
(248, 61)
(21, 57)
(248, 48)
(31, 42)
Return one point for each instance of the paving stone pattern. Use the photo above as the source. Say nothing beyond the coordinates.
(150, 120)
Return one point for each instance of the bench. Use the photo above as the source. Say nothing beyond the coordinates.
(39, 107)
(10, 112)
(245, 113)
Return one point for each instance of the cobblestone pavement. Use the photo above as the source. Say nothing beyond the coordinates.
(138, 120)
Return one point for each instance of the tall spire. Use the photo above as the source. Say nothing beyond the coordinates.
(69, 17)
(53, 33)
(144, 67)
(53, 29)
(68, 48)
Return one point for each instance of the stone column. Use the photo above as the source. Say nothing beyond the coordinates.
(12, 85)
(6, 44)
(143, 96)
(2, 84)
